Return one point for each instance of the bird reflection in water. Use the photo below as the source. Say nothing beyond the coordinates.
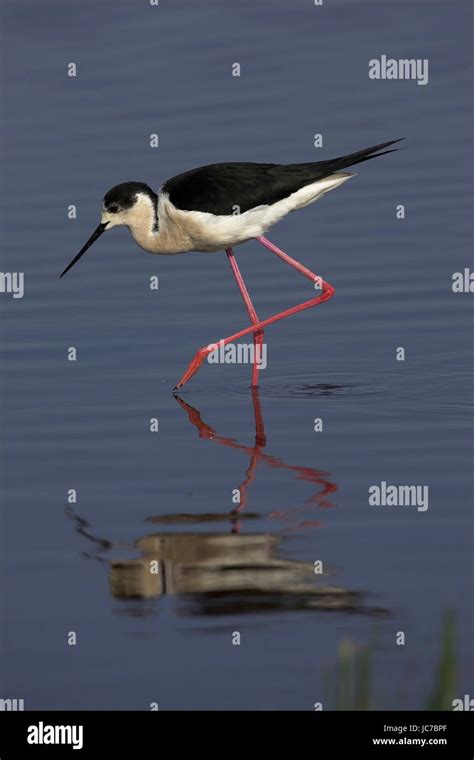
(235, 571)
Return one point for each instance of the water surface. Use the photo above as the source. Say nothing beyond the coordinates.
(167, 497)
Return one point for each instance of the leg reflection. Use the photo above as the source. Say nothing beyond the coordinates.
(320, 478)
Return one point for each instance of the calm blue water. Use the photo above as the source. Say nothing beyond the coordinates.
(166, 497)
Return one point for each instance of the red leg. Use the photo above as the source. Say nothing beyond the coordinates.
(327, 293)
(257, 336)
(293, 263)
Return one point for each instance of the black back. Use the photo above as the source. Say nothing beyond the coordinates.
(218, 188)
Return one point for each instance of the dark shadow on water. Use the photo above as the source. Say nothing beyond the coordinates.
(320, 389)
(228, 572)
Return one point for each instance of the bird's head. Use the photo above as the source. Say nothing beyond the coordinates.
(129, 204)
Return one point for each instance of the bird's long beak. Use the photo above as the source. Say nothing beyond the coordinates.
(96, 234)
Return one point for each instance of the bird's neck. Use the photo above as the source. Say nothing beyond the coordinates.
(156, 230)
(144, 226)
(146, 236)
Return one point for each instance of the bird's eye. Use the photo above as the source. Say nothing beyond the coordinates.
(113, 209)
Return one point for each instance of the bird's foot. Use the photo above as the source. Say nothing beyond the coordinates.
(194, 364)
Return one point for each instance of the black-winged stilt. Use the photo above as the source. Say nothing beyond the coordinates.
(216, 207)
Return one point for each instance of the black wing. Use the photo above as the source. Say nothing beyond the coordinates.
(218, 188)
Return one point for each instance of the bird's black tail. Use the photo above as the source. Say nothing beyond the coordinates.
(336, 164)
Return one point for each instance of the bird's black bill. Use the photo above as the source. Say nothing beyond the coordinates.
(96, 234)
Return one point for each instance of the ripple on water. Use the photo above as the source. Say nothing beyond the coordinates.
(403, 390)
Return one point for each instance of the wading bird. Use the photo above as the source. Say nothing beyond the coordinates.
(196, 211)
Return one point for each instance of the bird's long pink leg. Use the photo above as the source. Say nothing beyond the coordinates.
(257, 336)
(327, 293)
